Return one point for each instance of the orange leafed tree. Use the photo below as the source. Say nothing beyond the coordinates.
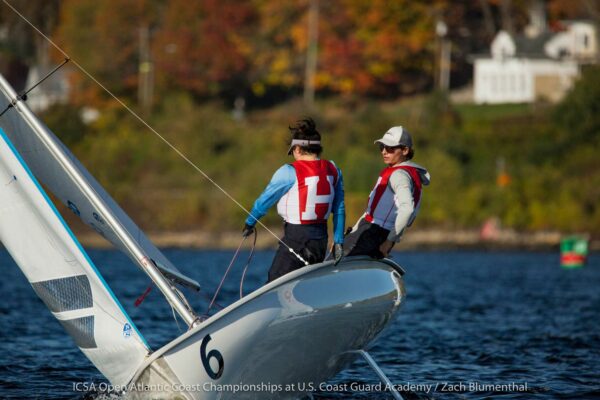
(375, 47)
(204, 46)
(212, 47)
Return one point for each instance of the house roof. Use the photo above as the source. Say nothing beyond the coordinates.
(532, 47)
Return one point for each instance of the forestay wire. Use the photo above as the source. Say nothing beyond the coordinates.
(139, 118)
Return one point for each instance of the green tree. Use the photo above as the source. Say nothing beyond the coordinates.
(103, 36)
(579, 113)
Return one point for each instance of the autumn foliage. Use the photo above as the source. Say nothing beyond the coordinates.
(225, 46)
(254, 48)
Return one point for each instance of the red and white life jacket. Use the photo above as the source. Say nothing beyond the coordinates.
(382, 209)
(309, 201)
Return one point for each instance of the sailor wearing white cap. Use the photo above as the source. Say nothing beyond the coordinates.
(394, 201)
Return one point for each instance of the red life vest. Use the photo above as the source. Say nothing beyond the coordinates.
(310, 200)
(381, 208)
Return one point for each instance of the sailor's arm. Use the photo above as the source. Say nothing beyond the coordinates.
(401, 184)
(281, 182)
(338, 209)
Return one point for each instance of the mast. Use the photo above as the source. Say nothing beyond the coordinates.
(132, 246)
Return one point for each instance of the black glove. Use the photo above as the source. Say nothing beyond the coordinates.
(338, 253)
(248, 230)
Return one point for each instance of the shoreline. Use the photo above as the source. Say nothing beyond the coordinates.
(413, 240)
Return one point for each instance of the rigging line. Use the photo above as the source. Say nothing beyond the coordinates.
(175, 318)
(247, 264)
(23, 96)
(66, 60)
(225, 275)
(147, 125)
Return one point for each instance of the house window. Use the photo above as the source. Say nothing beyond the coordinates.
(586, 41)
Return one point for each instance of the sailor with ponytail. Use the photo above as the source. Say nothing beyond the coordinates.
(306, 191)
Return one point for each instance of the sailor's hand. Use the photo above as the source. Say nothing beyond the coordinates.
(338, 252)
(248, 230)
(386, 247)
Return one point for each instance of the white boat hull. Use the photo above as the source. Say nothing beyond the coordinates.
(282, 340)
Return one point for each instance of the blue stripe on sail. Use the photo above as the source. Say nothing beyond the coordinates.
(34, 180)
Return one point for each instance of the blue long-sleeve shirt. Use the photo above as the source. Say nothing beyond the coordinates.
(282, 181)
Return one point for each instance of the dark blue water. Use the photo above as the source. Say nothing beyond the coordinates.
(471, 320)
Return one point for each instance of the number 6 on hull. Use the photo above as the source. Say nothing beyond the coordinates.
(206, 359)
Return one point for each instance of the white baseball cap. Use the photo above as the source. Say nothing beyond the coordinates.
(396, 136)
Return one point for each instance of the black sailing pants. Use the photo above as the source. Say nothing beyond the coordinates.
(365, 240)
(310, 241)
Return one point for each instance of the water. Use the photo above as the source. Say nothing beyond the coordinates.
(470, 319)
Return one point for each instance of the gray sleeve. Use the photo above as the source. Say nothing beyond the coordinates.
(401, 185)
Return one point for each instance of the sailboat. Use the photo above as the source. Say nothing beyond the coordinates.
(279, 341)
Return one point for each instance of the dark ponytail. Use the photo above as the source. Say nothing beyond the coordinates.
(306, 129)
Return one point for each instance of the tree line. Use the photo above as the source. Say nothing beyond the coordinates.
(258, 49)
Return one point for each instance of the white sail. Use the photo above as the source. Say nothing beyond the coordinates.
(62, 274)
(18, 126)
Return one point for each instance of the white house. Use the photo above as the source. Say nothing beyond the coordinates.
(522, 69)
(578, 42)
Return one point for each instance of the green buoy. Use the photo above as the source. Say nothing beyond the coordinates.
(573, 251)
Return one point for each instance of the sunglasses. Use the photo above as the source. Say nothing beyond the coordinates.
(388, 149)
